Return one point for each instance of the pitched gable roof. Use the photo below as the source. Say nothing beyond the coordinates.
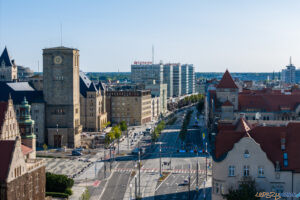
(25, 149)
(5, 58)
(269, 139)
(6, 148)
(227, 81)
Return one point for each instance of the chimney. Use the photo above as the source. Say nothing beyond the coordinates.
(277, 168)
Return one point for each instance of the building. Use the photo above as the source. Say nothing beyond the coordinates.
(191, 81)
(36, 81)
(155, 108)
(22, 176)
(184, 80)
(168, 78)
(227, 90)
(62, 96)
(268, 154)
(133, 107)
(146, 72)
(176, 80)
(24, 73)
(93, 114)
(266, 105)
(8, 68)
(159, 91)
(17, 91)
(288, 75)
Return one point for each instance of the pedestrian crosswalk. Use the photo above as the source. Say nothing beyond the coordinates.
(155, 170)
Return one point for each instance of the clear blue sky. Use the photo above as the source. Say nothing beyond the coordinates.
(241, 35)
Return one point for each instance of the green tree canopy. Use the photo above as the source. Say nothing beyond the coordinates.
(246, 190)
(123, 126)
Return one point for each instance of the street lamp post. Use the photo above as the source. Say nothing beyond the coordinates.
(205, 170)
(139, 173)
(130, 197)
(160, 159)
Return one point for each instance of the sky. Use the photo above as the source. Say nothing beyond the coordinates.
(214, 35)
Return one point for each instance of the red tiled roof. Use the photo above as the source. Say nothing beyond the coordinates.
(3, 109)
(6, 148)
(227, 103)
(25, 149)
(268, 102)
(269, 139)
(227, 81)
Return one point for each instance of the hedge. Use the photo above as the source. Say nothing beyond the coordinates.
(57, 194)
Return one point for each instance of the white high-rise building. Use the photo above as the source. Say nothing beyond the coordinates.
(191, 81)
(288, 75)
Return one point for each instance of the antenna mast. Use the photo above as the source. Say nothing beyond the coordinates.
(153, 54)
(60, 34)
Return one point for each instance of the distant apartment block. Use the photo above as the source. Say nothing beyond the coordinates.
(168, 78)
(146, 72)
(184, 79)
(191, 81)
(288, 75)
(133, 106)
(177, 80)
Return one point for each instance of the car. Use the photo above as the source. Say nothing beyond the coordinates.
(76, 153)
(185, 182)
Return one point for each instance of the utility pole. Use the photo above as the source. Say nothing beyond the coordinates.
(135, 187)
(139, 173)
(205, 170)
(189, 182)
(160, 159)
(110, 159)
(104, 160)
(128, 139)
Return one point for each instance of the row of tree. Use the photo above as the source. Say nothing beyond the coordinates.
(157, 130)
(116, 133)
(186, 101)
(185, 124)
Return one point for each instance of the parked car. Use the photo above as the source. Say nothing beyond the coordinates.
(76, 153)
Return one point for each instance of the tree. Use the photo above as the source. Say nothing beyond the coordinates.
(123, 126)
(103, 126)
(109, 137)
(245, 191)
(58, 183)
(45, 147)
(117, 132)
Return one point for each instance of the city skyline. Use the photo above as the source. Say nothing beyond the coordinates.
(241, 36)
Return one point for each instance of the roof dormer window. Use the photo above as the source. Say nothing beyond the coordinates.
(246, 154)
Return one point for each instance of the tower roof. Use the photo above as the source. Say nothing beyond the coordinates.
(227, 81)
(5, 58)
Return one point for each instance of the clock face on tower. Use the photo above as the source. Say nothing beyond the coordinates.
(57, 60)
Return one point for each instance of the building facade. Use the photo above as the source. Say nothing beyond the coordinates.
(133, 107)
(191, 82)
(146, 72)
(267, 154)
(288, 75)
(18, 162)
(159, 91)
(62, 96)
(8, 68)
(176, 80)
(184, 80)
(93, 114)
(168, 78)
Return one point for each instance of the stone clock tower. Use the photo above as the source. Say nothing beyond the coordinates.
(61, 93)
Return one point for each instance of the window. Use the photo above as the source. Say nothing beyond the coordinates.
(246, 170)
(231, 170)
(217, 188)
(261, 171)
(246, 154)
